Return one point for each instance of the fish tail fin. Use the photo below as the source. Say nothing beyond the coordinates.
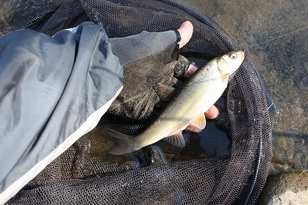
(124, 144)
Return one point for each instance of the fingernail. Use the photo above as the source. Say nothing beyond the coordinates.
(191, 69)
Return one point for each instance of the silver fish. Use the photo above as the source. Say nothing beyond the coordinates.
(186, 106)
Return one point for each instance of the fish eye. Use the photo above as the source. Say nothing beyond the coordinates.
(232, 56)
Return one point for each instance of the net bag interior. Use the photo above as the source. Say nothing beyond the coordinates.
(86, 174)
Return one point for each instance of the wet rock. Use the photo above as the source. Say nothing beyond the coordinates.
(287, 188)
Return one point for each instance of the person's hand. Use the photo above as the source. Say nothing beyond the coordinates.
(148, 59)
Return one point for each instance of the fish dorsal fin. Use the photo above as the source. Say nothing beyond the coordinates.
(199, 121)
(176, 139)
(165, 91)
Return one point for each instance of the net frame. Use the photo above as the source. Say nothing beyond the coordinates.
(239, 179)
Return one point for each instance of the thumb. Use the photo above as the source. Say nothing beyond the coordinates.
(186, 31)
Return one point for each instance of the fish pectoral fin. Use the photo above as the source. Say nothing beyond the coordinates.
(123, 144)
(199, 121)
(164, 91)
(176, 139)
(224, 76)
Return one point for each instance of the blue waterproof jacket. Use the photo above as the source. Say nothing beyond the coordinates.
(53, 90)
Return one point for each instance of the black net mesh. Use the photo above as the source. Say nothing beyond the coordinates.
(161, 174)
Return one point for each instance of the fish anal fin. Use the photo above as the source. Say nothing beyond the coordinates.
(165, 91)
(176, 139)
(199, 121)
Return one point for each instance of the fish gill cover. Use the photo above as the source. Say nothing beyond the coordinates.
(86, 173)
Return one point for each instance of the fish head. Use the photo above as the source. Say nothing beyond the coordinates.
(230, 62)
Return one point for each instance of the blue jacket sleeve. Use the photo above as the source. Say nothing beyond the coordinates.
(53, 90)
